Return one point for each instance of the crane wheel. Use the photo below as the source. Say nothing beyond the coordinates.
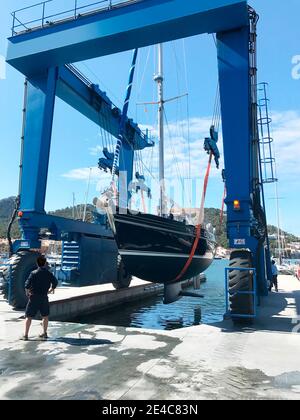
(22, 264)
(123, 277)
(241, 281)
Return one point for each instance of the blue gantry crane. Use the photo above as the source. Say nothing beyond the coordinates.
(43, 49)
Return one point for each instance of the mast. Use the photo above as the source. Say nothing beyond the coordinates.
(280, 245)
(87, 196)
(159, 79)
(73, 210)
(124, 115)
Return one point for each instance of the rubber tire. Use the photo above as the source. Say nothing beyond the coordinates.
(123, 277)
(22, 264)
(241, 281)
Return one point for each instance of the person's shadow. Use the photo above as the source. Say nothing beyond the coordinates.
(81, 342)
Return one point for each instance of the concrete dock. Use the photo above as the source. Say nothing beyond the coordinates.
(217, 361)
(69, 303)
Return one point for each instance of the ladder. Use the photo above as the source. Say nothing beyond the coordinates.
(268, 162)
(70, 259)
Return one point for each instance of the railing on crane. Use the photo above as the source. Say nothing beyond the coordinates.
(268, 161)
(44, 14)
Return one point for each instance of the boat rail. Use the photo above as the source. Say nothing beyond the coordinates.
(46, 15)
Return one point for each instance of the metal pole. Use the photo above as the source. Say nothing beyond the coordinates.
(73, 212)
(14, 22)
(87, 196)
(278, 224)
(75, 8)
(43, 18)
(159, 78)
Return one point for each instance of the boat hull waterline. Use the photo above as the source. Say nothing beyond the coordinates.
(156, 249)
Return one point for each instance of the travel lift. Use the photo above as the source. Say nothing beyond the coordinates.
(42, 51)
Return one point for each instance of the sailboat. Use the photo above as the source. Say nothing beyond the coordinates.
(158, 248)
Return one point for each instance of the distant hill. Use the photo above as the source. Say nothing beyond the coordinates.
(273, 230)
(211, 216)
(6, 208)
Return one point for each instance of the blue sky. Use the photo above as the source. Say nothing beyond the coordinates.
(76, 141)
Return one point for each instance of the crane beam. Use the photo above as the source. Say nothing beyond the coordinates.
(111, 31)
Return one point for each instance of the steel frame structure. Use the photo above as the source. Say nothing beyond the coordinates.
(42, 54)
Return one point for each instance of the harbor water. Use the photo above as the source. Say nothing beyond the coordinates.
(153, 314)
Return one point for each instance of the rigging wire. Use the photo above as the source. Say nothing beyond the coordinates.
(200, 222)
(107, 139)
(187, 107)
(174, 154)
(217, 118)
(119, 101)
(217, 108)
(180, 129)
(144, 73)
(139, 158)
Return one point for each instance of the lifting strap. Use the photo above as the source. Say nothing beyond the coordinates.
(199, 226)
(223, 206)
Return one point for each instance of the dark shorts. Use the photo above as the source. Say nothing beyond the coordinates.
(37, 304)
(275, 280)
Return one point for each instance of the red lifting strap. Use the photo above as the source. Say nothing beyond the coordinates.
(198, 227)
(143, 202)
(223, 205)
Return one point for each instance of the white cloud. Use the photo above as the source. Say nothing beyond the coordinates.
(296, 67)
(96, 151)
(285, 131)
(177, 152)
(83, 174)
(286, 134)
(99, 179)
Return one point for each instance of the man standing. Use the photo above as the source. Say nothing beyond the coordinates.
(274, 277)
(39, 284)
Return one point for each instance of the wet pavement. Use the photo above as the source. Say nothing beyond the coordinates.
(220, 361)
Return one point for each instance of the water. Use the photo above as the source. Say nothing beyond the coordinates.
(3, 258)
(153, 314)
(291, 262)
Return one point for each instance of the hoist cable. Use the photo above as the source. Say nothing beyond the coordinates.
(200, 222)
